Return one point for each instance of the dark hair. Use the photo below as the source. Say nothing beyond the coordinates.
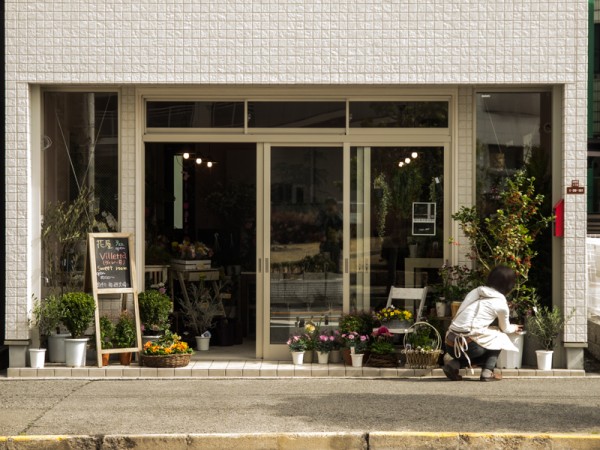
(502, 279)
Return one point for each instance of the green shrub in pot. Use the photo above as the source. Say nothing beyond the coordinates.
(78, 312)
(155, 308)
(125, 334)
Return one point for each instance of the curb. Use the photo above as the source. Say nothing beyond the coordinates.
(378, 440)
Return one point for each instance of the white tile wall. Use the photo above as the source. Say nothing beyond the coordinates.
(399, 42)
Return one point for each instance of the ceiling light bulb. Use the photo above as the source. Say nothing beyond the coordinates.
(209, 164)
(198, 160)
(414, 155)
(407, 160)
(400, 164)
(186, 155)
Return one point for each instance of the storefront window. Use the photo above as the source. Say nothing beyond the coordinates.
(398, 114)
(80, 179)
(195, 114)
(514, 131)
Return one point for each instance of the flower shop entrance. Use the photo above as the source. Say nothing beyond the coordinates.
(336, 222)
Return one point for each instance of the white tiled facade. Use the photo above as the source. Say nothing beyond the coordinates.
(127, 44)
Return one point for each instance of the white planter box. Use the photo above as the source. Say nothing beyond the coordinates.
(190, 264)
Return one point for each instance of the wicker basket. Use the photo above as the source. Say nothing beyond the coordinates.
(375, 360)
(423, 359)
(179, 360)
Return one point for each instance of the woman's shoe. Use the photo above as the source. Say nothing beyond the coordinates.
(493, 377)
(451, 369)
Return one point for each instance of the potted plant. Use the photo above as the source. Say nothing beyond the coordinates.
(360, 322)
(456, 282)
(382, 349)
(394, 317)
(200, 308)
(297, 344)
(124, 336)
(167, 351)
(358, 345)
(47, 315)
(545, 325)
(78, 312)
(155, 307)
(324, 343)
(107, 331)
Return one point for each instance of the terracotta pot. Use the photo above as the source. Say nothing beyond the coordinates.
(105, 359)
(125, 358)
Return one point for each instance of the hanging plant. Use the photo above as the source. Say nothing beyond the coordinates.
(382, 203)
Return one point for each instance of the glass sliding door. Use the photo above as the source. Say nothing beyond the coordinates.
(397, 218)
(304, 252)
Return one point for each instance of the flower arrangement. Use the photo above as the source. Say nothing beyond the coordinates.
(392, 313)
(324, 342)
(382, 342)
(191, 250)
(298, 342)
(358, 342)
(169, 344)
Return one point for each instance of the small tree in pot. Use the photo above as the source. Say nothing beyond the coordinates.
(201, 307)
(545, 325)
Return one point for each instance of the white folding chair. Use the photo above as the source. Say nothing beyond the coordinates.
(409, 295)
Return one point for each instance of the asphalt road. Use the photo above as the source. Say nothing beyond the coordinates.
(76, 407)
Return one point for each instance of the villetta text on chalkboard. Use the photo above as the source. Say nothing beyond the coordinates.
(112, 262)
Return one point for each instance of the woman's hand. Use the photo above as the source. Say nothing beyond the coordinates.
(519, 327)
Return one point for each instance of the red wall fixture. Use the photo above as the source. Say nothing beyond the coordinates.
(559, 218)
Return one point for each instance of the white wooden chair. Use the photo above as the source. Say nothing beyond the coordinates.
(409, 295)
(156, 274)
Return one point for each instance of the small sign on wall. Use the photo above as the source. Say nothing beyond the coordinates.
(423, 220)
(575, 188)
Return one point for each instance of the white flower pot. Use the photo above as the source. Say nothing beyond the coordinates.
(75, 352)
(37, 356)
(323, 357)
(509, 359)
(440, 309)
(56, 347)
(298, 358)
(544, 359)
(357, 359)
(202, 343)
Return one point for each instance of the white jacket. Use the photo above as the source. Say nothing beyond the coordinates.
(479, 309)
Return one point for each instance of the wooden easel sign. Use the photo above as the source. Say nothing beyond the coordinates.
(110, 269)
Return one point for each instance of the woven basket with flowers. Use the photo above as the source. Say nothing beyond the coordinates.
(421, 350)
(168, 351)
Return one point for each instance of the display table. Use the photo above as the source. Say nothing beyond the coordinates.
(190, 275)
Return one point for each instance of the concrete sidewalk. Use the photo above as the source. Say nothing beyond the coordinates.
(268, 369)
(303, 441)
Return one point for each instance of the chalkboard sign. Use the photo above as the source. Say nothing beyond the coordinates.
(110, 261)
